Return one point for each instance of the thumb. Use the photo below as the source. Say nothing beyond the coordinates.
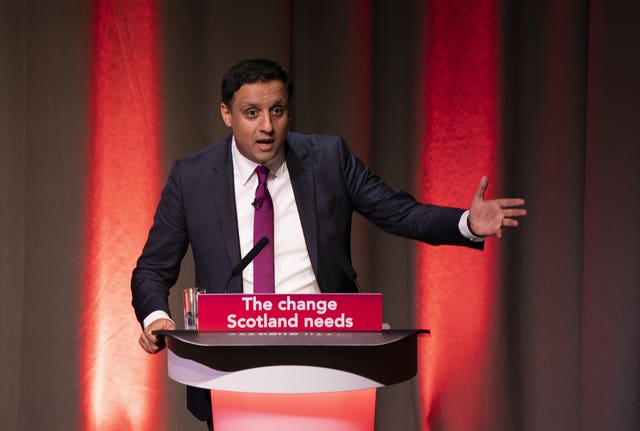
(164, 324)
(168, 324)
(482, 188)
(159, 325)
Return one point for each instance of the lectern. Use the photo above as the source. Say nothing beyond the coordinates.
(312, 381)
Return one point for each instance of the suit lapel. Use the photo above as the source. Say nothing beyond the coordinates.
(223, 197)
(300, 166)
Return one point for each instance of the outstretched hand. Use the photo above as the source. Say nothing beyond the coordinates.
(489, 217)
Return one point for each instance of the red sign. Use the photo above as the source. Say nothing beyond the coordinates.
(294, 312)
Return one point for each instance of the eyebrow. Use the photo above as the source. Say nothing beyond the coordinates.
(251, 104)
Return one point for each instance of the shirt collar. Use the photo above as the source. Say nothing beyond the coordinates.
(245, 168)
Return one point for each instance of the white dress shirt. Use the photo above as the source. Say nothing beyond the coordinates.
(293, 270)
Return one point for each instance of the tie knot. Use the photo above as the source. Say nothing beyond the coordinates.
(263, 173)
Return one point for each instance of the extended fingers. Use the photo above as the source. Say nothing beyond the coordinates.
(514, 212)
(509, 222)
(510, 202)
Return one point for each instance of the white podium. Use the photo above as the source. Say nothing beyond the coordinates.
(312, 381)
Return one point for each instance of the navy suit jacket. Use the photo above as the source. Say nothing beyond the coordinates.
(197, 207)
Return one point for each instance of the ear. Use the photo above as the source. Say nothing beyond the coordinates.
(226, 114)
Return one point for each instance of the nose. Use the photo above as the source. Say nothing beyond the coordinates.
(266, 126)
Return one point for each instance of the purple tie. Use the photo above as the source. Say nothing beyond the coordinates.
(263, 277)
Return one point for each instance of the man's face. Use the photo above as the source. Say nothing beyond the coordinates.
(259, 117)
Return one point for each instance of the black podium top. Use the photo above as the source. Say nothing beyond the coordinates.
(387, 357)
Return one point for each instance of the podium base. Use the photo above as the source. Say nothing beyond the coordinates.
(336, 411)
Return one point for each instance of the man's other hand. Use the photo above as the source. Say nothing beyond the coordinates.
(153, 343)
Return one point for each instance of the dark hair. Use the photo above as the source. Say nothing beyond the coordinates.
(251, 71)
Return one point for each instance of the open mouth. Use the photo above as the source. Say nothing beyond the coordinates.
(265, 144)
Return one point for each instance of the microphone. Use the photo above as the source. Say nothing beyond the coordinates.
(257, 203)
(247, 260)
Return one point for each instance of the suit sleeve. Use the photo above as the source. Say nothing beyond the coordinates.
(158, 267)
(396, 211)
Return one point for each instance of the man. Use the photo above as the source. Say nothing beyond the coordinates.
(314, 183)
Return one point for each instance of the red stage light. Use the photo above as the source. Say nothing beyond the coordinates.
(456, 296)
(119, 382)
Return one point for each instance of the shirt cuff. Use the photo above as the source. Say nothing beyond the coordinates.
(464, 228)
(159, 314)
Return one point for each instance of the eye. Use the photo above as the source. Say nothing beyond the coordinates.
(252, 113)
(277, 110)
